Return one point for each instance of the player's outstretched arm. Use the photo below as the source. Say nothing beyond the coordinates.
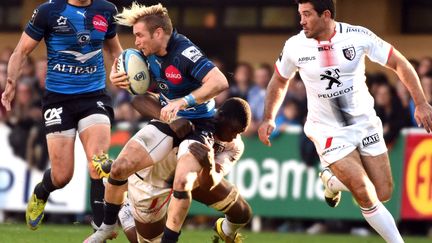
(406, 73)
(275, 94)
(25, 46)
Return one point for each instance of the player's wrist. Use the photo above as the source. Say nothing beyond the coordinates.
(189, 100)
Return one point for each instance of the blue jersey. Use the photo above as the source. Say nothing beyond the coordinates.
(180, 72)
(74, 39)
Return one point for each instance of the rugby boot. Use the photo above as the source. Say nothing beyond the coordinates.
(238, 238)
(103, 233)
(102, 165)
(332, 198)
(34, 212)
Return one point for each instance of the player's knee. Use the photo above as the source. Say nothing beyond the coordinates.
(119, 169)
(240, 212)
(61, 181)
(364, 192)
(245, 211)
(385, 192)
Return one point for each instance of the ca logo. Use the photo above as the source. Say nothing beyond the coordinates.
(52, 116)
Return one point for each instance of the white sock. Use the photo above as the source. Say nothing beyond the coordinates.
(229, 228)
(333, 183)
(382, 221)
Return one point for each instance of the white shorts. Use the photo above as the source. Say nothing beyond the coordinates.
(149, 203)
(125, 216)
(333, 144)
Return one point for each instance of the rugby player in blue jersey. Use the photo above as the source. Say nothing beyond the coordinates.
(75, 32)
(187, 82)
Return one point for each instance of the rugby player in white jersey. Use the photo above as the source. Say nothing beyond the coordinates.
(149, 189)
(341, 119)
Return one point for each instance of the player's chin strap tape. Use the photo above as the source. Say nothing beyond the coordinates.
(116, 182)
(181, 194)
(226, 204)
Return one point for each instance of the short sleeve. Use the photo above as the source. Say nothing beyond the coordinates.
(38, 24)
(377, 49)
(112, 27)
(284, 64)
(195, 62)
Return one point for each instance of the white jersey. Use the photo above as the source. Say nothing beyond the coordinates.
(161, 173)
(334, 73)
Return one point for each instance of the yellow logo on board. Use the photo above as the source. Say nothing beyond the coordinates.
(419, 178)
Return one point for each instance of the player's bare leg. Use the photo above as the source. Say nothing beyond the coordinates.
(351, 173)
(60, 149)
(225, 198)
(186, 174)
(150, 232)
(96, 140)
(379, 172)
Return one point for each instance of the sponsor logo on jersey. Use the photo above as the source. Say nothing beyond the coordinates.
(83, 37)
(173, 74)
(101, 105)
(337, 93)
(81, 13)
(100, 23)
(331, 149)
(218, 147)
(65, 68)
(192, 53)
(332, 75)
(62, 25)
(358, 30)
(82, 57)
(302, 60)
(33, 17)
(162, 86)
(61, 21)
(374, 138)
(325, 48)
(52, 116)
(349, 53)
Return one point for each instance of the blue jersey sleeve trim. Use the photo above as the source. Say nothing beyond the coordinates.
(34, 33)
(206, 65)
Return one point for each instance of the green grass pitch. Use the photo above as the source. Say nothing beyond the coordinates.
(19, 233)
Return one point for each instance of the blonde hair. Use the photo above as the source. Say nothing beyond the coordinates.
(155, 16)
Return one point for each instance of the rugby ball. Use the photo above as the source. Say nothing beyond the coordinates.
(134, 64)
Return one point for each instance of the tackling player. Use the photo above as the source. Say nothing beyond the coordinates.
(341, 121)
(150, 189)
(75, 100)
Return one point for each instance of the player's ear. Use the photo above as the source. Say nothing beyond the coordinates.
(327, 14)
(159, 32)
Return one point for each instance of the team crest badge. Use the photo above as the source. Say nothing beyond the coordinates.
(349, 53)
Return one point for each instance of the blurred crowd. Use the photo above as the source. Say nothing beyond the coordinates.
(392, 102)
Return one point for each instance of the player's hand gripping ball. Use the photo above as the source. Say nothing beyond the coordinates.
(134, 64)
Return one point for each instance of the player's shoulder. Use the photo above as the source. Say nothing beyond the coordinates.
(51, 5)
(186, 49)
(104, 5)
(355, 30)
(237, 143)
(299, 38)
